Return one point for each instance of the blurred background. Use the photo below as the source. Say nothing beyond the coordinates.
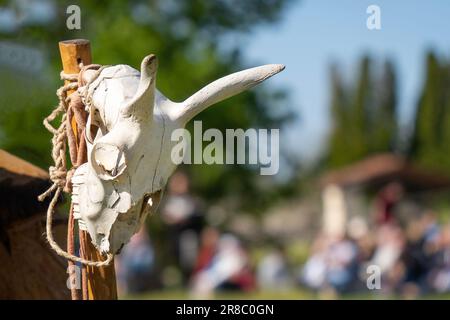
(364, 119)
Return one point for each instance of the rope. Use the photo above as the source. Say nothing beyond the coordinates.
(58, 249)
(58, 173)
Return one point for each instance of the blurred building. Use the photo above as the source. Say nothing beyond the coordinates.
(389, 176)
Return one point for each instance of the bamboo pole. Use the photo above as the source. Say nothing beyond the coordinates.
(101, 282)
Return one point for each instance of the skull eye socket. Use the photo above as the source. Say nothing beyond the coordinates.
(108, 160)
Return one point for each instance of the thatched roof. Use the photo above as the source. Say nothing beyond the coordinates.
(20, 184)
(19, 166)
(384, 168)
(29, 268)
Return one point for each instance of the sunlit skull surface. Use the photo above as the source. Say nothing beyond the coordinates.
(129, 145)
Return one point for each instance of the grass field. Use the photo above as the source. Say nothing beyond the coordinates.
(296, 294)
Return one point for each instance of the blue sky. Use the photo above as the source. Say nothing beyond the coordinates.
(313, 33)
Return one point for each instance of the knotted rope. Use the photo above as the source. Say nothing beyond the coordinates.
(68, 106)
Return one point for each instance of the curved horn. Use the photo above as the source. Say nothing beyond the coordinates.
(141, 105)
(224, 88)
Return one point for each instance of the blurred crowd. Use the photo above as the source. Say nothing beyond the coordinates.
(206, 259)
(411, 260)
(408, 259)
(411, 257)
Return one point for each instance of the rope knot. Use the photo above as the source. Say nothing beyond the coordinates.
(57, 175)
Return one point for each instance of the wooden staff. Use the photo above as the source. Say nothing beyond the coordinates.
(100, 281)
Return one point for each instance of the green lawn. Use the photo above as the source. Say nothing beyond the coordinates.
(296, 294)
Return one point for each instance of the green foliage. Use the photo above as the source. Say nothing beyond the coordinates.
(386, 129)
(430, 140)
(363, 115)
(21, 112)
(187, 36)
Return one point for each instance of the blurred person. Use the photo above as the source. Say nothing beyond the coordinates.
(366, 247)
(208, 248)
(333, 264)
(431, 231)
(386, 201)
(416, 261)
(342, 264)
(358, 231)
(273, 272)
(136, 263)
(390, 243)
(357, 228)
(184, 218)
(313, 273)
(439, 276)
(229, 269)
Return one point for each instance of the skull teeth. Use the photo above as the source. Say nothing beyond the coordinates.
(77, 181)
(82, 225)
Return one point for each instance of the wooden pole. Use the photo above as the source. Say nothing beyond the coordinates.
(101, 282)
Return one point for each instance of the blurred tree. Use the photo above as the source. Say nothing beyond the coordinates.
(340, 115)
(363, 115)
(192, 40)
(431, 134)
(385, 130)
(360, 113)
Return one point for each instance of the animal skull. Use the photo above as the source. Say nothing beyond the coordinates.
(128, 136)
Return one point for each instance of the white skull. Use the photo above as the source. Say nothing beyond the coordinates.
(129, 156)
